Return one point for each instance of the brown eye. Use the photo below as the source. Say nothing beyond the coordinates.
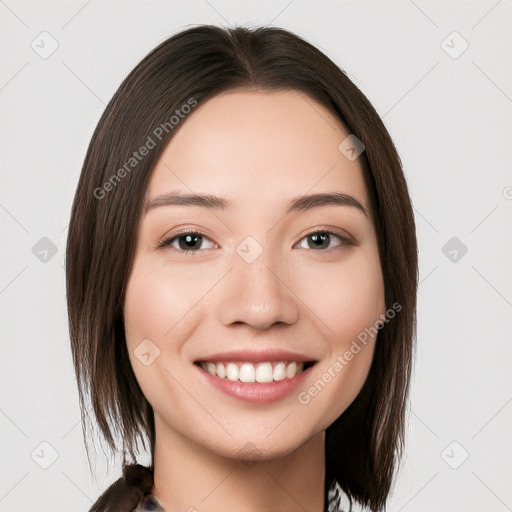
(319, 240)
(186, 242)
(189, 242)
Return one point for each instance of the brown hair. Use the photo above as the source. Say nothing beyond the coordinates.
(364, 444)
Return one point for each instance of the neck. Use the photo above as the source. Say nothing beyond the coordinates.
(188, 477)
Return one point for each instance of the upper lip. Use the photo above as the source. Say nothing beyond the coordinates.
(267, 355)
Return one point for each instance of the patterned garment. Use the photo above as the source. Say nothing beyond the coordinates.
(338, 502)
(149, 503)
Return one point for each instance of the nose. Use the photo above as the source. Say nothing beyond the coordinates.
(258, 294)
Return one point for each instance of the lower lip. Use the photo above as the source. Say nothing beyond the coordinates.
(256, 392)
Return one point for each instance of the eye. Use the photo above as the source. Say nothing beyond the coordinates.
(321, 239)
(188, 242)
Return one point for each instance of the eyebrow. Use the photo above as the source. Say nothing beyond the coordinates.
(300, 203)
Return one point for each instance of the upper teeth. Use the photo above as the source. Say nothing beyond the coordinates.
(259, 372)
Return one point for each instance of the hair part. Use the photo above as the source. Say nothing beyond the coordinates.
(364, 444)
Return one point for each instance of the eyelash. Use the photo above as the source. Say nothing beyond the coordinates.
(168, 241)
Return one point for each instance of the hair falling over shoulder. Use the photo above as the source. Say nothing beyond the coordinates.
(126, 492)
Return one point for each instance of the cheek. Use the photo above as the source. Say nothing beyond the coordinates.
(145, 306)
(346, 296)
(155, 309)
(349, 300)
(157, 301)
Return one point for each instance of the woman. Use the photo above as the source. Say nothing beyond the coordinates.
(241, 280)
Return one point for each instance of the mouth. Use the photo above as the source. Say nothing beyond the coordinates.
(261, 372)
(256, 377)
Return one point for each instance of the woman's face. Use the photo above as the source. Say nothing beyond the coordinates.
(258, 295)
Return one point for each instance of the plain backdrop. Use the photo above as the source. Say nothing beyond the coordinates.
(439, 73)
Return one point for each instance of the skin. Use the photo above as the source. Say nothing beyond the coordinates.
(257, 149)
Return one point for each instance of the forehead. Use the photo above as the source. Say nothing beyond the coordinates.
(258, 147)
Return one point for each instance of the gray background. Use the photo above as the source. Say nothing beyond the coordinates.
(449, 110)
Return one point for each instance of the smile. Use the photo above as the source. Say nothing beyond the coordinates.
(257, 377)
(254, 372)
